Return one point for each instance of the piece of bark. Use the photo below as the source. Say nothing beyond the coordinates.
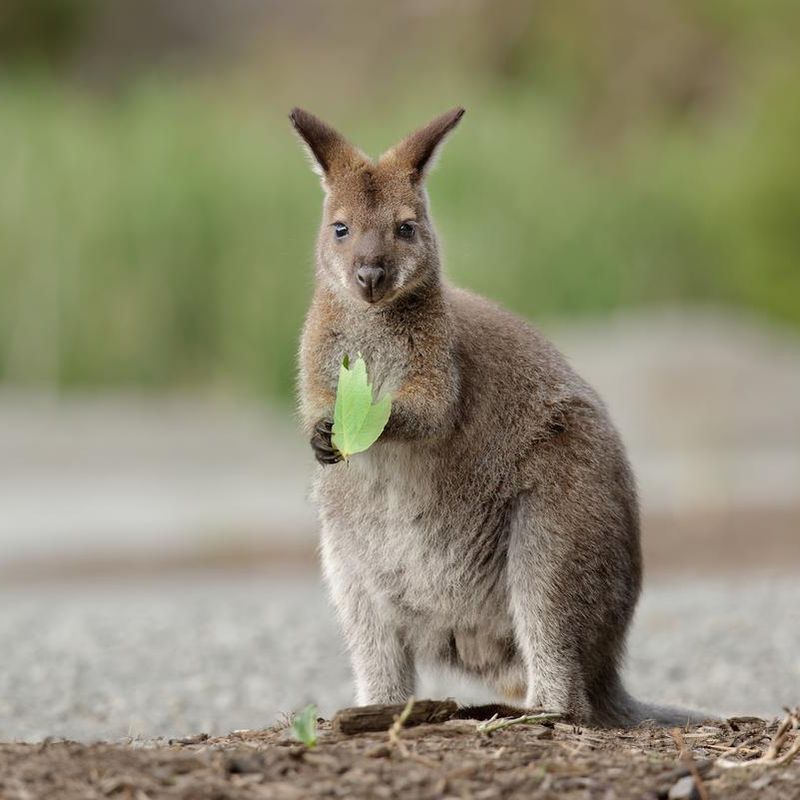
(366, 719)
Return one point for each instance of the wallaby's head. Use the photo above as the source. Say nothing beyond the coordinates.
(376, 242)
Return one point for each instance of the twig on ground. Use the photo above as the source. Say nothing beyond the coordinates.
(790, 725)
(494, 724)
(198, 738)
(744, 745)
(725, 750)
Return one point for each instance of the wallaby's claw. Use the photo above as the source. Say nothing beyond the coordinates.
(323, 448)
(324, 426)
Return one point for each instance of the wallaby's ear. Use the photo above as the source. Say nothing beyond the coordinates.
(419, 151)
(327, 148)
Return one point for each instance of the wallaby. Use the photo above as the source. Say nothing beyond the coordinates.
(494, 526)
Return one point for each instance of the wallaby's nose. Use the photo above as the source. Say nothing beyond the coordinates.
(371, 278)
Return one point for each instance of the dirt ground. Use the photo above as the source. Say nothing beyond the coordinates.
(453, 759)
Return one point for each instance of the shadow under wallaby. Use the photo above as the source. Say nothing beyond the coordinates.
(494, 526)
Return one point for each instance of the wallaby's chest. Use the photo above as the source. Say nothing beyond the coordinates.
(388, 516)
(386, 353)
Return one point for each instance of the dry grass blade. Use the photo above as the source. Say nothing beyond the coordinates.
(395, 740)
(397, 727)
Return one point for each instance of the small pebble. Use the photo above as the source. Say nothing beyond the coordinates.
(762, 782)
(684, 789)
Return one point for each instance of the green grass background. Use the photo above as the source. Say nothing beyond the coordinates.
(162, 237)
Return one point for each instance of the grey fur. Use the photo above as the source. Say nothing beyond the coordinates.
(494, 527)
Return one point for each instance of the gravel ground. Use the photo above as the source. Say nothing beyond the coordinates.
(218, 653)
(448, 759)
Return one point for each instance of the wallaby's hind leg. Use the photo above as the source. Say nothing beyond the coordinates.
(549, 648)
(573, 582)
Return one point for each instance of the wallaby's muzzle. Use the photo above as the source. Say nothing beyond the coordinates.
(371, 280)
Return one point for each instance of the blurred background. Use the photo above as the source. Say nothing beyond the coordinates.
(627, 176)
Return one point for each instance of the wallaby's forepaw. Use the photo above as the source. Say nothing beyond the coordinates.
(321, 444)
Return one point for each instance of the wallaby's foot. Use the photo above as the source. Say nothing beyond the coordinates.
(321, 443)
(570, 701)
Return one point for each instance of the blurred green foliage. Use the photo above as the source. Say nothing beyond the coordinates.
(43, 30)
(163, 236)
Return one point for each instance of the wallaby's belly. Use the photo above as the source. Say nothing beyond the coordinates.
(433, 561)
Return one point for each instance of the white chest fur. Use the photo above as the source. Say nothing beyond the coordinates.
(385, 526)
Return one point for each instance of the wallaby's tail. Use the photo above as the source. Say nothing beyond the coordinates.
(617, 709)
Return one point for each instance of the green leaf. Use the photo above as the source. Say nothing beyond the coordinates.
(304, 726)
(357, 421)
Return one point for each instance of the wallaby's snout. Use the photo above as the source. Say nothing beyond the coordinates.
(372, 280)
(368, 255)
(376, 241)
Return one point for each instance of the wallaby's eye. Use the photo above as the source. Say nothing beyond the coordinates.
(406, 230)
(340, 230)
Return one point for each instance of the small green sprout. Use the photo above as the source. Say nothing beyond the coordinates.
(304, 726)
